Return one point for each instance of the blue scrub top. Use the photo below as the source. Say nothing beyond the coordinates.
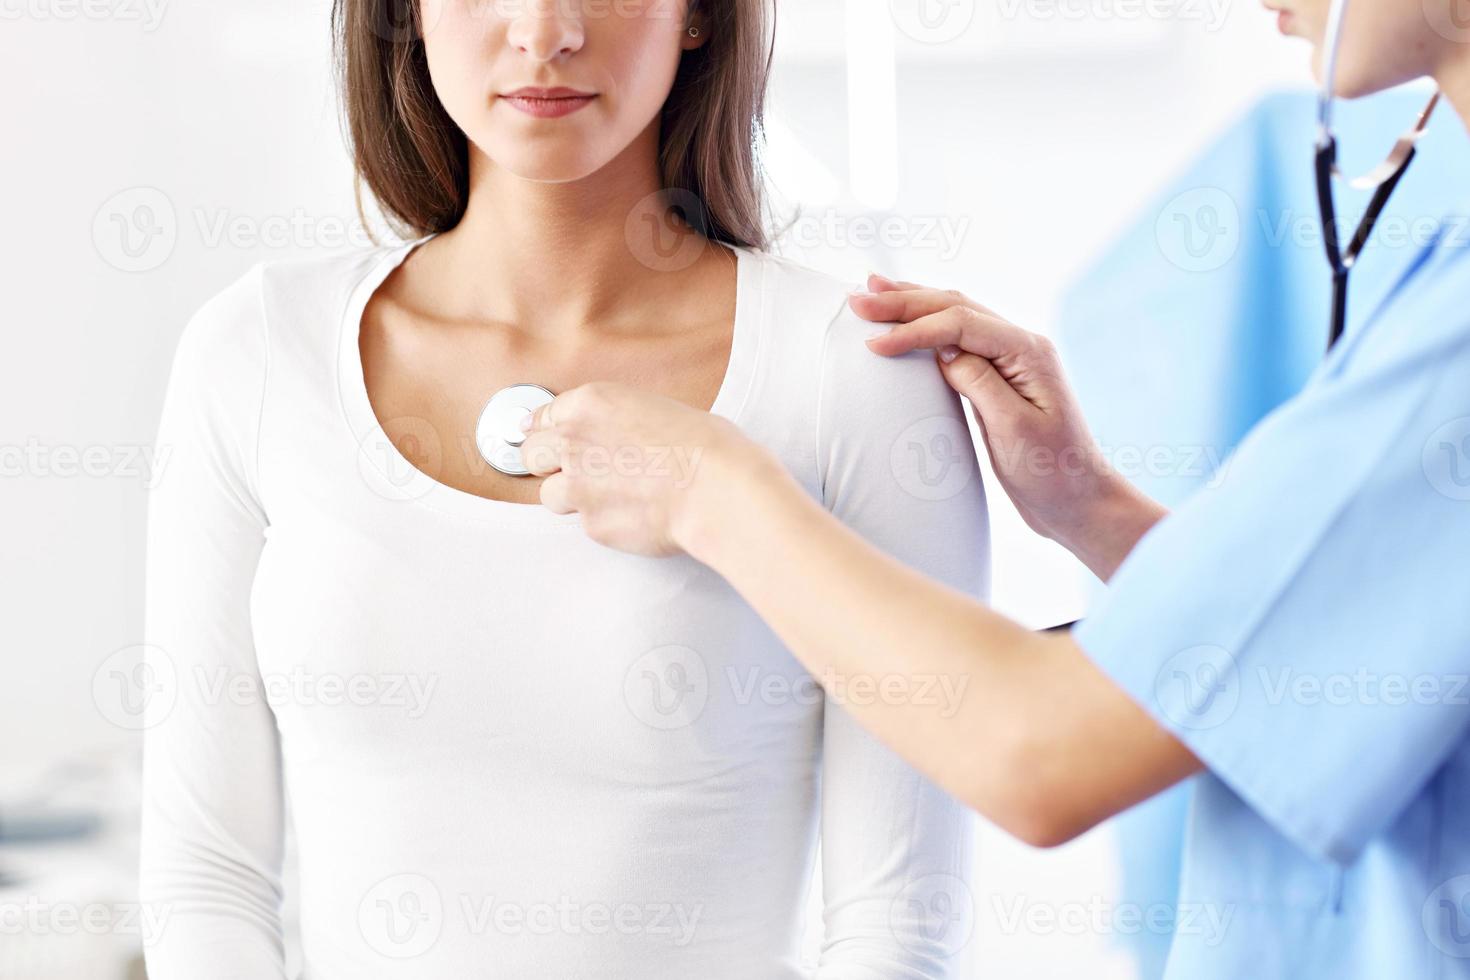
(1303, 625)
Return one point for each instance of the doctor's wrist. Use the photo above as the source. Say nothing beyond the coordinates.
(1115, 519)
(737, 484)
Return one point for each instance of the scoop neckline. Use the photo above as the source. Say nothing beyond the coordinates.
(389, 472)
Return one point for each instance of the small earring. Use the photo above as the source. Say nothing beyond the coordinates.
(694, 32)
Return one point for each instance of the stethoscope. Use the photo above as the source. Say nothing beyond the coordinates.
(1381, 180)
(500, 432)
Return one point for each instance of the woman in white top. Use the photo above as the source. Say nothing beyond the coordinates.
(509, 751)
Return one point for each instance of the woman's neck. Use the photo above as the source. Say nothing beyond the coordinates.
(556, 254)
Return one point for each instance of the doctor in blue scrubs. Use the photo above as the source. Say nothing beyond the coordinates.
(1298, 635)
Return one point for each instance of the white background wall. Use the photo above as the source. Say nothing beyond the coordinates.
(1039, 130)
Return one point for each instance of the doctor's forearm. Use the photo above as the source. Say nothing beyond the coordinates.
(1114, 522)
(1039, 740)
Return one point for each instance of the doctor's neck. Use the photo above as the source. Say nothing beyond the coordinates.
(1453, 77)
(558, 255)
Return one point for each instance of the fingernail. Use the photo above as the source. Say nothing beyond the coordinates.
(527, 421)
(861, 294)
(948, 354)
(881, 332)
(880, 277)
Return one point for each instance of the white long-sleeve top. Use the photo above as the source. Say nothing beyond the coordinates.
(509, 751)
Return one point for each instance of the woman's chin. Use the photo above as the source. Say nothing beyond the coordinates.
(548, 166)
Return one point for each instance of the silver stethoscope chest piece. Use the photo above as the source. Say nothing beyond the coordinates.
(499, 435)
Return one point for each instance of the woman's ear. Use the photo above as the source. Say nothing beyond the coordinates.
(696, 32)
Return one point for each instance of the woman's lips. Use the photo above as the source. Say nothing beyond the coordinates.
(548, 103)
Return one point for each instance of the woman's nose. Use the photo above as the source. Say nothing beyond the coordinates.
(547, 29)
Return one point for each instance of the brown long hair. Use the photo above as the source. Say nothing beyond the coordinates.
(415, 159)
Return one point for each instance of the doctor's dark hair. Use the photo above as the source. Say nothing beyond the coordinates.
(415, 159)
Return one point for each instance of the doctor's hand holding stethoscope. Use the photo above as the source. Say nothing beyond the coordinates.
(1301, 632)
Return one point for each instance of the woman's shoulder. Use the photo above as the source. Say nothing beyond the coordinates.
(804, 309)
(807, 317)
(299, 298)
(275, 313)
(815, 366)
(798, 283)
(312, 292)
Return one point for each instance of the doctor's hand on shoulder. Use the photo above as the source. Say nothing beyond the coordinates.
(1038, 441)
